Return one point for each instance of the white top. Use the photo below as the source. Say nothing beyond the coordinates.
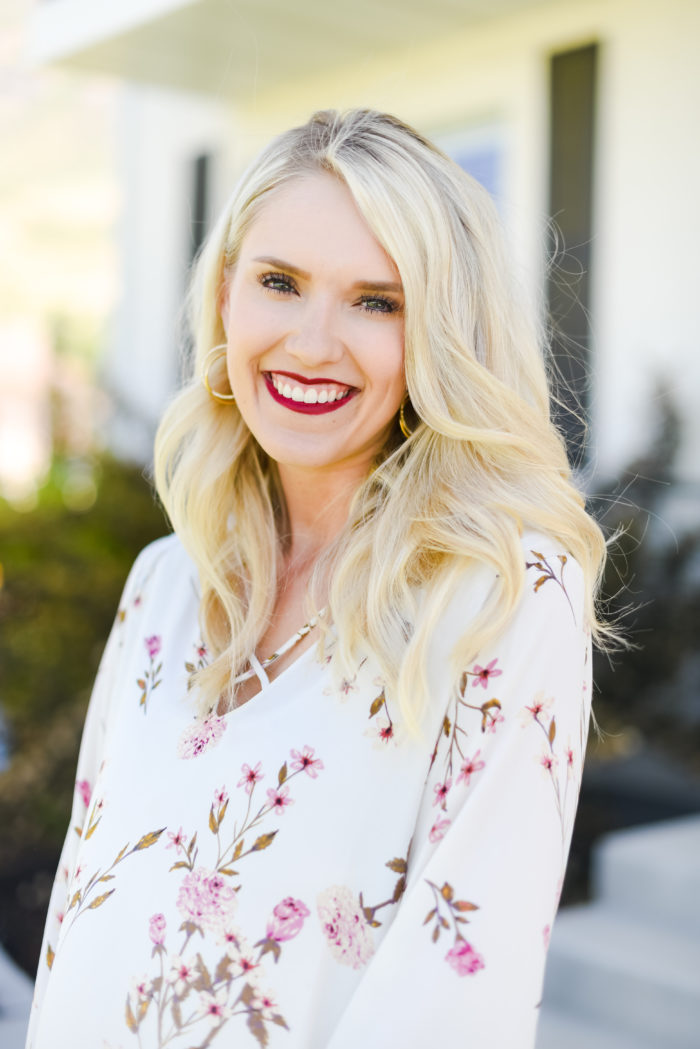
(303, 873)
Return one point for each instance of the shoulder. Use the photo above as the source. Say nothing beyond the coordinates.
(165, 560)
(547, 579)
(550, 570)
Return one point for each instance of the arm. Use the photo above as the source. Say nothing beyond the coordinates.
(84, 813)
(463, 961)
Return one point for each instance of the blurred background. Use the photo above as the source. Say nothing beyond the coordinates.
(123, 128)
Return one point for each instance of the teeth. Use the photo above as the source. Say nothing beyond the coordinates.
(310, 395)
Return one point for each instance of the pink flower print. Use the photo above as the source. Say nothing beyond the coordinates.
(470, 766)
(548, 761)
(438, 830)
(220, 796)
(441, 792)
(349, 937)
(156, 929)
(482, 674)
(539, 707)
(84, 789)
(200, 736)
(177, 840)
(141, 988)
(306, 762)
(201, 651)
(150, 679)
(243, 961)
(287, 920)
(206, 900)
(278, 798)
(181, 974)
(215, 1005)
(569, 761)
(493, 719)
(153, 645)
(546, 933)
(265, 1003)
(250, 776)
(464, 959)
(60, 915)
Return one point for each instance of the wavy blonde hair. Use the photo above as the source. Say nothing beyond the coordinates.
(484, 460)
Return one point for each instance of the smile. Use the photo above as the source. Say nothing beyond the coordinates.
(309, 396)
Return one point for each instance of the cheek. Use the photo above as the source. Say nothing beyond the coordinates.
(251, 331)
(385, 362)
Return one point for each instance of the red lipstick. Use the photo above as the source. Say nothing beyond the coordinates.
(300, 406)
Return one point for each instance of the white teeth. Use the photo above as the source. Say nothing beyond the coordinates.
(309, 395)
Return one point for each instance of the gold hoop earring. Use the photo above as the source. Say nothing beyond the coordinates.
(402, 418)
(219, 351)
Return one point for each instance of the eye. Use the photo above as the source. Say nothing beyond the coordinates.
(277, 282)
(378, 304)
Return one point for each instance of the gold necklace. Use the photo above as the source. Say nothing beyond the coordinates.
(288, 645)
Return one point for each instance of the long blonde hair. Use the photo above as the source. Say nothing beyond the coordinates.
(484, 461)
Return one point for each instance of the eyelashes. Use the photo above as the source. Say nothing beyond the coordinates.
(281, 284)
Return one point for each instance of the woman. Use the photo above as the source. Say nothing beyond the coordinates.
(331, 764)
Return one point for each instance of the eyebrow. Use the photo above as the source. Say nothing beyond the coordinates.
(365, 285)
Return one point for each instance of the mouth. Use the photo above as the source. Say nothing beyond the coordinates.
(308, 396)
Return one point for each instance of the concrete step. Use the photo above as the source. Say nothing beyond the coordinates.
(558, 1030)
(16, 990)
(652, 871)
(610, 969)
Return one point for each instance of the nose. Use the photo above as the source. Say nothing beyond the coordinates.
(316, 340)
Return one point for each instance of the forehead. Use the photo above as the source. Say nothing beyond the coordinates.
(315, 216)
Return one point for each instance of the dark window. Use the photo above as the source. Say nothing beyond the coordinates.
(571, 159)
(200, 202)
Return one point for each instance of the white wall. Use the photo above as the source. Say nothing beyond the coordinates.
(161, 132)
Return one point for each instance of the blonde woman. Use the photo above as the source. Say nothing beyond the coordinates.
(331, 763)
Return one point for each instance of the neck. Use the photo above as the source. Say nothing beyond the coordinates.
(317, 508)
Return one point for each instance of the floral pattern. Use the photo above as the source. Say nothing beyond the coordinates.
(150, 679)
(449, 914)
(207, 903)
(200, 736)
(263, 909)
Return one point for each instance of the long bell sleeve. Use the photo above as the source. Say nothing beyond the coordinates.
(85, 812)
(463, 962)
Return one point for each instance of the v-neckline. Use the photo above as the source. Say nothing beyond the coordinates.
(272, 683)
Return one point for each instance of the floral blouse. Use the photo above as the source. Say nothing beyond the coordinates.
(303, 872)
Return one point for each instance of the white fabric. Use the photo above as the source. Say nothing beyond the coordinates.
(239, 881)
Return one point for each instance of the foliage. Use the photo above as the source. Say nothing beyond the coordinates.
(653, 577)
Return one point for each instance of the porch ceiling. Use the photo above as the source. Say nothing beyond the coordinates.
(230, 47)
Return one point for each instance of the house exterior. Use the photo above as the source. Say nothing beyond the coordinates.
(584, 110)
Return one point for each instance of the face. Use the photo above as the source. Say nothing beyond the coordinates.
(313, 313)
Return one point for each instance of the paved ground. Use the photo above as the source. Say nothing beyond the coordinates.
(15, 1001)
